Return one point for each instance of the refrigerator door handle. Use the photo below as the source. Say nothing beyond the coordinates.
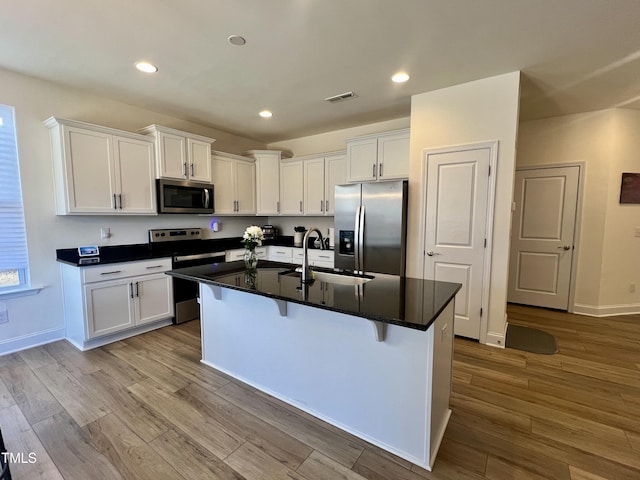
(356, 241)
(360, 239)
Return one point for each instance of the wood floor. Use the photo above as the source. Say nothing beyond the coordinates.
(145, 408)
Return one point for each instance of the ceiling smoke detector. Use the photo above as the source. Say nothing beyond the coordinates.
(340, 98)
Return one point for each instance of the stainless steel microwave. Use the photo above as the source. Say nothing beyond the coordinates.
(183, 196)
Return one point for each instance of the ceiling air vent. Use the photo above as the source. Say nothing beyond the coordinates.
(340, 98)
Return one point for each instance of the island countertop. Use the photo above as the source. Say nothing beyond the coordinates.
(404, 301)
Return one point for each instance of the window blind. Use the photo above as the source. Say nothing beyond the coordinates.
(13, 238)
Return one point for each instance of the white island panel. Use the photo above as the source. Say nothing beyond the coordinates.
(330, 365)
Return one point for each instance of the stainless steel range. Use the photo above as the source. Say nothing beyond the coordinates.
(186, 248)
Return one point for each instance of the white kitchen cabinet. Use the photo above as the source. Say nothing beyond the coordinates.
(106, 303)
(234, 184)
(238, 254)
(279, 254)
(181, 155)
(378, 157)
(101, 171)
(291, 187)
(321, 174)
(316, 257)
(267, 180)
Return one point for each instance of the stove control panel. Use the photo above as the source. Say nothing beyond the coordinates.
(174, 234)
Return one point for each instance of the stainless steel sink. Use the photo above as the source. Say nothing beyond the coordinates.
(330, 277)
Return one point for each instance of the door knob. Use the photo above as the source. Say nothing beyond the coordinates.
(566, 247)
(431, 253)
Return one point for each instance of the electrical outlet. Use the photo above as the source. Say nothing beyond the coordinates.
(636, 232)
(632, 287)
(105, 232)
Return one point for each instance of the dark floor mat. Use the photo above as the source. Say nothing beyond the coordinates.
(530, 340)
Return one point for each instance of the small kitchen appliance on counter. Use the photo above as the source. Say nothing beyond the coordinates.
(269, 232)
(298, 236)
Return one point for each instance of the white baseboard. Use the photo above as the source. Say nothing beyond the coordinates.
(606, 310)
(495, 339)
(32, 340)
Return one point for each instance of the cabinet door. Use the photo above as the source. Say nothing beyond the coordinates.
(109, 307)
(314, 186)
(393, 156)
(223, 191)
(268, 184)
(153, 298)
(291, 188)
(172, 156)
(362, 160)
(335, 173)
(90, 171)
(136, 175)
(199, 155)
(245, 186)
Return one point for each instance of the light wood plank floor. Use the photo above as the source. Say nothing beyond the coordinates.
(145, 408)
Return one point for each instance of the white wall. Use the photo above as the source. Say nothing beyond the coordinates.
(40, 317)
(608, 143)
(480, 111)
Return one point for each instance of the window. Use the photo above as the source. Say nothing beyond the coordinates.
(13, 239)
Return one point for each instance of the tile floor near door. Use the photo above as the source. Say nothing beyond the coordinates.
(145, 408)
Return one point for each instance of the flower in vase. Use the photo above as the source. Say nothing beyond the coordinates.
(252, 237)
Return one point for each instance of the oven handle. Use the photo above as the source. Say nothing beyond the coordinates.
(201, 256)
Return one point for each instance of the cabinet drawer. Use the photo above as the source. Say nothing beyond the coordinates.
(325, 256)
(279, 254)
(125, 269)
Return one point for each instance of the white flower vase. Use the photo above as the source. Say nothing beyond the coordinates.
(250, 259)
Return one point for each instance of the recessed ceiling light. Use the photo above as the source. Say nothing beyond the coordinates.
(236, 40)
(146, 67)
(400, 77)
(266, 114)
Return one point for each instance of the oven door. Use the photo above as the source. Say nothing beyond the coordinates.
(176, 196)
(185, 292)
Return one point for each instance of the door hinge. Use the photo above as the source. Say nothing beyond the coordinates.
(485, 243)
(480, 311)
(489, 171)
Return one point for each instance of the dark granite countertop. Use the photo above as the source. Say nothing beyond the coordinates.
(404, 301)
(145, 251)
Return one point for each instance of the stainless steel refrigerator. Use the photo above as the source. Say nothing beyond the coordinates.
(370, 227)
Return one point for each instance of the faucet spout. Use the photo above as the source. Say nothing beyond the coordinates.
(306, 275)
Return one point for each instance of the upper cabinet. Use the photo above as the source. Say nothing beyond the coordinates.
(291, 187)
(321, 175)
(234, 178)
(181, 155)
(381, 156)
(267, 180)
(99, 170)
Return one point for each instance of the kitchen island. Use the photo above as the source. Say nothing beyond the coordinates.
(369, 354)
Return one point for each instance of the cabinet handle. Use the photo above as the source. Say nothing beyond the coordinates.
(380, 170)
(154, 266)
(131, 290)
(321, 206)
(326, 206)
(192, 171)
(237, 205)
(111, 273)
(137, 289)
(184, 169)
(120, 198)
(300, 206)
(115, 203)
(278, 206)
(373, 171)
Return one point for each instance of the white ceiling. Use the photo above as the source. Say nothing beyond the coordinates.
(575, 55)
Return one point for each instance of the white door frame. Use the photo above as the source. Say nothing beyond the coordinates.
(578, 223)
(493, 165)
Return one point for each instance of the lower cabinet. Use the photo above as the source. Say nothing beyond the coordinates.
(238, 254)
(109, 302)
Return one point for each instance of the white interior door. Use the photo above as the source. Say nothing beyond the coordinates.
(542, 236)
(455, 227)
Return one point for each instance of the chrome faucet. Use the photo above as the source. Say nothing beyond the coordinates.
(305, 275)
